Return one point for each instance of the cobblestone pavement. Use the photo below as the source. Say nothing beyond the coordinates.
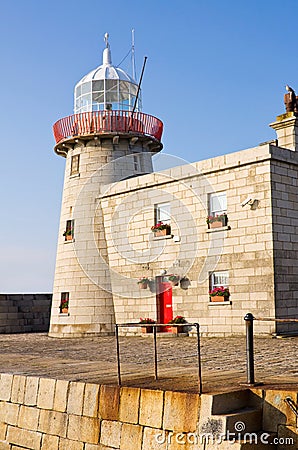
(94, 360)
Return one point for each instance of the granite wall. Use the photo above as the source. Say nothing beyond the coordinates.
(25, 313)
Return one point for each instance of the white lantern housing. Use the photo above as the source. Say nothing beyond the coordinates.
(106, 88)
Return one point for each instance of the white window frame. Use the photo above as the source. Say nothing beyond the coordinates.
(64, 296)
(136, 163)
(75, 164)
(220, 273)
(162, 213)
(69, 225)
(221, 207)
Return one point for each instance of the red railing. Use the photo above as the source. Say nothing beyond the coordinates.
(107, 122)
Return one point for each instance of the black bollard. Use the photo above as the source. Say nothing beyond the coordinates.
(118, 354)
(250, 370)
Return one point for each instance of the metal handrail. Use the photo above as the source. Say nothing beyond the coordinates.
(292, 405)
(100, 122)
(270, 319)
(250, 365)
(155, 326)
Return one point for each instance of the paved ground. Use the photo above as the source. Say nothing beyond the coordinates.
(94, 360)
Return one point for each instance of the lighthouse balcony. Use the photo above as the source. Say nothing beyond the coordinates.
(108, 122)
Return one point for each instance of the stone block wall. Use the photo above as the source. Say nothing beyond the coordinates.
(244, 248)
(114, 245)
(79, 269)
(25, 313)
(284, 181)
(48, 414)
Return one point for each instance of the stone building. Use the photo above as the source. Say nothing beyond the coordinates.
(112, 199)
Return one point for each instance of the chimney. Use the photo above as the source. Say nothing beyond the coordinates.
(286, 127)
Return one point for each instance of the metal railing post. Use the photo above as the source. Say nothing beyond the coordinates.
(199, 358)
(155, 353)
(250, 370)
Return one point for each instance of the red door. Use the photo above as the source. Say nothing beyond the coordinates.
(164, 302)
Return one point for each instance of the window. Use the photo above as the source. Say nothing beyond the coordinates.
(217, 216)
(86, 87)
(162, 212)
(217, 203)
(162, 220)
(75, 165)
(69, 230)
(219, 280)
(136, 163)
(64, 302)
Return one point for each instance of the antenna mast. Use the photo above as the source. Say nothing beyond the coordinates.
(139, 86)
(133, 60)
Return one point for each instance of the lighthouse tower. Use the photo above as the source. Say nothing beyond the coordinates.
(106, 140)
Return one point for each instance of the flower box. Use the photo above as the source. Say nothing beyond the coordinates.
(159, 233)
(219, 298)
(218, 221)
(146, 325)
(147, 329)
(219, 294)
(143, 282)
(161, 229)
(179, 321)
(178, 330)
(63, 307)
(217, 224)
(68, 233)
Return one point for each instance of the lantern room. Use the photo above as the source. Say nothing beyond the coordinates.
(106, 88)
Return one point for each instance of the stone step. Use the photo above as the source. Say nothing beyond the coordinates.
(246, 420)
(230, 401)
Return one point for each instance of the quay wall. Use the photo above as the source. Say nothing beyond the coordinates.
(50, 414)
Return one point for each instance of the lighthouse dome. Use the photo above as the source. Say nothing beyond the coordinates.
(106, 88)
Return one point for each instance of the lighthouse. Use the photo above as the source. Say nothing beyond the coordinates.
(108, 139)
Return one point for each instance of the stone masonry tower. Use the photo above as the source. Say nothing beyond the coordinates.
(106, 140)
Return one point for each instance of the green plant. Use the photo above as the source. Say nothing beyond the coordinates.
(160, 226)
(68, 232)
(221, 291)
(144, 280)
(178, 319)
(63, 304)
(173, 278)
(217, 218)
(147, 320)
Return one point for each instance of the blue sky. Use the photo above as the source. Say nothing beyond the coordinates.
(215, 75)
